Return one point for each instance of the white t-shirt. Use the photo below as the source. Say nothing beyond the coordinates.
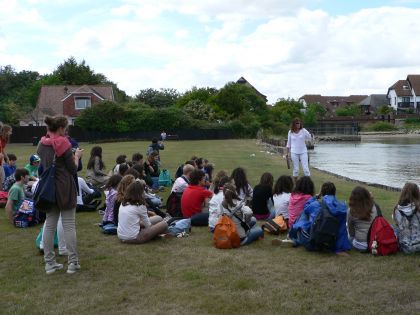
(83, 187)
(242, 194)
(281, 204)
(296, 141)
(215, 210)
(179, 185)
(129, 217)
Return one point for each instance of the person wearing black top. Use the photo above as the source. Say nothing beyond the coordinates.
(262, 198)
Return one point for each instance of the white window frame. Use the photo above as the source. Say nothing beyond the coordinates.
(87, 103)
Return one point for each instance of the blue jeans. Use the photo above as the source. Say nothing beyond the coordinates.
(253, 234)
(155, 184)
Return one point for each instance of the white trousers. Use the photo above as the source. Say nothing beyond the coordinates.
(60, 235)
(303, 158)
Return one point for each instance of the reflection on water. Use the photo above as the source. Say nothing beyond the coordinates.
(388, 161)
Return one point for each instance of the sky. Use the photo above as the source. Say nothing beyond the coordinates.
(285, 48)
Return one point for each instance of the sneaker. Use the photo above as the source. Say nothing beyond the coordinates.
(51, 268)
(73, 268)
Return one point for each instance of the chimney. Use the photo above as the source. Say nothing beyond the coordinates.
(65, 90)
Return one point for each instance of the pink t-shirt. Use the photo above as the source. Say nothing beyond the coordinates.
(296, 204)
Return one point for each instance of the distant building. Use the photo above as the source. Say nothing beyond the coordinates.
(372, 103)
(404, 95)
(242, 80)
(66, 100)
(331, 103)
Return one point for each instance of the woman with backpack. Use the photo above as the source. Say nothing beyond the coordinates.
(407, 219)
(134, 224)
(241, 215)
(55, 148)
(262, 198)
(95, 173)
(362, 211)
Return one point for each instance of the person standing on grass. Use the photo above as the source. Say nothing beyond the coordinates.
(16, 193)
(56, 147)
(195, 199)
(296, 147)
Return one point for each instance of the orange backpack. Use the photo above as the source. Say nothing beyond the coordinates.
(225, 234)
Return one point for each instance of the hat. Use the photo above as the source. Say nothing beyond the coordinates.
(34, 158)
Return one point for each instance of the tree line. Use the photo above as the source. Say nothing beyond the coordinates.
(234, 106)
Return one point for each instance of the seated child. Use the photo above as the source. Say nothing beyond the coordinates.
(194, 201)
(407, 218)
(10, 166)
(122, 187)
(134, 224)
(110, 197)
(181, 183)
(302, 192)
(33, 167)
(300, 232)
(16, 193)
(241, 215)
(262, 198)
(215, 203)
(360, 216)
(281, 197)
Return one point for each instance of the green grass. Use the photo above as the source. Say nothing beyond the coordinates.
(190, 276)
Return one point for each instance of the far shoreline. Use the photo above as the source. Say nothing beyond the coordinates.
(389, 134)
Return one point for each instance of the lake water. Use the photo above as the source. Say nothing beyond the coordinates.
(388, 161)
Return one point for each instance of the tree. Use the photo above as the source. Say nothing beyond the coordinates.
(10, 113)
(350, 110)
(314, 112)
(284, 110)
(204, 95)
(385, 110)
(236, 99)
(73, 73)
(158, 98)
(197, 109)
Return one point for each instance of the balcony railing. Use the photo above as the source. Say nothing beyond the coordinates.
(405, 104)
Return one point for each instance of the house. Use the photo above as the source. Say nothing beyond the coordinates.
(404, 95)
(67, 100)
(242, 80)
(373, 103)
(331, 103)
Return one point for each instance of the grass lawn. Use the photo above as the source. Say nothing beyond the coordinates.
(190, 276)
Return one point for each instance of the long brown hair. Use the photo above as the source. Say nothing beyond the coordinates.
(122, 186)
(229, 193)
(95, 152)
(410, 194)
(134, 195)
(5, 133)
(361, 203)
(293, 127)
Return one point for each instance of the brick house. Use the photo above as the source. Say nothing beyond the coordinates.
(331, 103)
(66, 100)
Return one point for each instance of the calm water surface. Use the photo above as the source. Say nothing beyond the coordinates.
(388, 161)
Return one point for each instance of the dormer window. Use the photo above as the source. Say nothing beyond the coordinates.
(405, 87)
(82, 102)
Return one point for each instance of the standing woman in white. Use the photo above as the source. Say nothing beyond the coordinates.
(296, 146)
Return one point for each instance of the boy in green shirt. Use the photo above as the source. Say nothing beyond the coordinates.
(33, 166)
(16, 193)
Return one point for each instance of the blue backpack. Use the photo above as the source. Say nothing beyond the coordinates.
(26, 215)
(165, 178)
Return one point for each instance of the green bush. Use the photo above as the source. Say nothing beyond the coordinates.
(381, 126)
(412, 121)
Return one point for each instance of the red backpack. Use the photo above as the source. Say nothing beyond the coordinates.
(381, 237)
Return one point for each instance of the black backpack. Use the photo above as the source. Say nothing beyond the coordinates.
(324, 230)
(173, 205)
